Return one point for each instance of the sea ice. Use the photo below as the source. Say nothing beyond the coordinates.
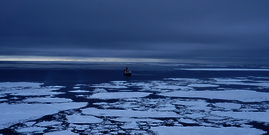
(33, 92)
(128, 113)
(240, 95)
(78, 91)
(20, 84)
(118, 95)
(228, 106)
(76, 118)
(206, 131)
(64, 132)
(48, 123)
(14, 113)
(203, 85)
(31, 129)
(47, 99)
(254, 116)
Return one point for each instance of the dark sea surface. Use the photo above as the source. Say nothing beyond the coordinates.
(159, 98)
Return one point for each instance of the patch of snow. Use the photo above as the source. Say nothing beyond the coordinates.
(47, 99)
(206, 131)
(14, 113)
(240, 95)
(128, 113)
(118, 95)
(75, 118)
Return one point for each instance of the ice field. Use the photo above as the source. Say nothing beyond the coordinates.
(218, 105)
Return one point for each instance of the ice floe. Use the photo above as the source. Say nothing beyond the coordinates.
(48, 123)
(203, 85)
(254, 116)
(78, 91)
(63, 132)
(162, 130)
(47, 99)
(14, 113)
(31, 129)
(76, 118)
(20, 84)
(240, 95)
(228, 106)
(118, 95)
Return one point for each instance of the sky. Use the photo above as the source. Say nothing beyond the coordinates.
(235, 31)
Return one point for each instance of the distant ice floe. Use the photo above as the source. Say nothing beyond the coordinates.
(203, 85)
(47, 99)
(118, 95)
(76, 118)
(128, 113)
(28, 89)
(14, 113)
(162, 130)
(240, 95)
(31, 92)
(222, 69)
(112, 85)
(20, 84)
(78, 91)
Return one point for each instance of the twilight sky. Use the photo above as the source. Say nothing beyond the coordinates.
(178, 30)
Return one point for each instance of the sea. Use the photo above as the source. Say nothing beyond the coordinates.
(91, 98)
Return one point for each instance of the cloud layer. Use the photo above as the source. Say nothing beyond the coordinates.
(217, 31)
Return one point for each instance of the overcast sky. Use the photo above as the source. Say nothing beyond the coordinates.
(189, 30)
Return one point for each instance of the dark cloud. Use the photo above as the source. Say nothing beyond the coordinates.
(222, 31)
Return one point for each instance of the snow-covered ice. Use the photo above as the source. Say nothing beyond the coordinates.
(48, 123)
(14, 113)
(20, 84)
(76, 118)
(228, 106)
(206, 131)
(47, 99)
(254, 116)
(78, 91)
(240, 95)
(31, 129)
(118, 95)
(63, 132)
